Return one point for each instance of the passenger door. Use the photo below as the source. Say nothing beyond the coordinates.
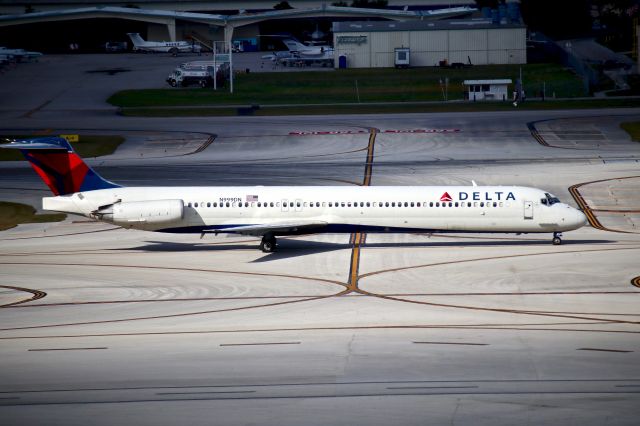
(528, 209)
(285, 205)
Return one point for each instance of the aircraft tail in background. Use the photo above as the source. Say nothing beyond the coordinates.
(59, 166)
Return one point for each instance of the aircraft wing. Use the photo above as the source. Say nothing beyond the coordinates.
(277, 228)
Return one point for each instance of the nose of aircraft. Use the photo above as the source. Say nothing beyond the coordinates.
(580, 219)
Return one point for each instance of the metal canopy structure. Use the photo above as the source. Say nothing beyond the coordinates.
(228, 22)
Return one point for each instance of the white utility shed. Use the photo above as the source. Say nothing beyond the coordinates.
(371, 44)
(487, 90)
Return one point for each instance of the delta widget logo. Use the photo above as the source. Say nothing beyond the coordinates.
(445, 197)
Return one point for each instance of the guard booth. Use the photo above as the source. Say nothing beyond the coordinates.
(487, 90)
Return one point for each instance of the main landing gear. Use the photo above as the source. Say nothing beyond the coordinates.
(268, 243)
(557, 240)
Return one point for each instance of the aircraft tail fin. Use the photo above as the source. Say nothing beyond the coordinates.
(59, 166)
(294, 45)
(136, 39)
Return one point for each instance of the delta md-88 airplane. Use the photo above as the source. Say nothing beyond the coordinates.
(269, 212)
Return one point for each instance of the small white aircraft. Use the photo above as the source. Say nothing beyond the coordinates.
(173, 47)
(19, 54)
(292, 210)
(298, 52)
(306, 51)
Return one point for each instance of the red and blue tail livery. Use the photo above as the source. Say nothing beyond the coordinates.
(59, 166)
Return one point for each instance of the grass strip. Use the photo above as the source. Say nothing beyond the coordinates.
(88, 146)
(633, 128)
(13, 214)
(358, 85)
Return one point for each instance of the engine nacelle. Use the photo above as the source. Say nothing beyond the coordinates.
(138, 213)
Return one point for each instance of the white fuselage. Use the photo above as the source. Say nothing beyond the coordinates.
(139, 44)
(166, 47)
(342, 208)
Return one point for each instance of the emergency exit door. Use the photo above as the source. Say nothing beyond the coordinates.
(528, 209)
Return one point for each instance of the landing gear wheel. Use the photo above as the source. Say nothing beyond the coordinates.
(268, 244)
(556, 239)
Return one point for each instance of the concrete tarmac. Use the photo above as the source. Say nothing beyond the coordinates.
(110, 326)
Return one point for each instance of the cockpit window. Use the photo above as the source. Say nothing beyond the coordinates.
(550, 199)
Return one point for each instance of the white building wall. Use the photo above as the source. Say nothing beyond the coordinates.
(467, 40)
(429, 41)
(507, 38)
(428, 48)
(387, 41)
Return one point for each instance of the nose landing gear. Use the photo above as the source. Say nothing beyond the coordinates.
(268, 243)
(557, 240)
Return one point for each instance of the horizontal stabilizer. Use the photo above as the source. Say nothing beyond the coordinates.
(48, 143)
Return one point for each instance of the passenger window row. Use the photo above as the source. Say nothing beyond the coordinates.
(314, 204)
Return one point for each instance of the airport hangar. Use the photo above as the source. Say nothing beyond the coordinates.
(93, 25)
(364, 44)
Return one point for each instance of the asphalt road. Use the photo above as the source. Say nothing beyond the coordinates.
(109, 326)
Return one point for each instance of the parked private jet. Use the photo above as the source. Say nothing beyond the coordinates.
(298, 52)
(19, 54)
(269, 212)
(173, 47)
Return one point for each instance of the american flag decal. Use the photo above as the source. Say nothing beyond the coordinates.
(251, 198)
